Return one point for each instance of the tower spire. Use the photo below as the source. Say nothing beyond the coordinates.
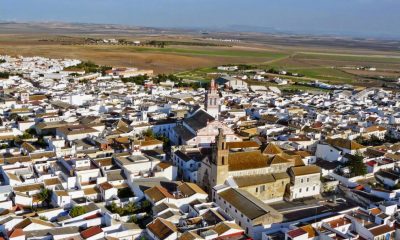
(212, 100)
(220, 138)
(213, 87)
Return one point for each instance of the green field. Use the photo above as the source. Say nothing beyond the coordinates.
(332, 75)
(321, 67)
(349, 57)
(196, 51)
(198, 74)
(212, 52)
(193, 62)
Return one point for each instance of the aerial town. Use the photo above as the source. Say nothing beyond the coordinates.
(93, 152)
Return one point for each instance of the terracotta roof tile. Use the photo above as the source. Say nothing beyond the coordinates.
(246, 160)
(272, 149)
(90, 232)
(162, 228)
(16, 233)
(158, 193)
(305, 170)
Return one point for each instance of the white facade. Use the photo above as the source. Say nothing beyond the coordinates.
(305, 186)
(328, 153)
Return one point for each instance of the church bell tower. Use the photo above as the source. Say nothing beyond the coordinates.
(220, 164)
(212, 101)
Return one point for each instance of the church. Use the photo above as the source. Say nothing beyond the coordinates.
(200, 127)
(212, 103)
(266, 174)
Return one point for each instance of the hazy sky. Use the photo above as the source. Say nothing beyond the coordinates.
(378, 18)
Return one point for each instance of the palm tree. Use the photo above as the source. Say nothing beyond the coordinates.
(130, 208)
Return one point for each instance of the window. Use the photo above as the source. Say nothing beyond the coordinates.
(300, 190)
(308, 179)
(306, 189)
(262, 188)
(302, 180)
(256, 189)
(313, 188)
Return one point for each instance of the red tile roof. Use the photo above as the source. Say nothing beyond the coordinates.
(96, 215)
(371, 163)
(162, 228)
(359, 187)
(92, 231)
(339, 222)
(383, 229)
(106, 185)
(297, 232)
(16, 233)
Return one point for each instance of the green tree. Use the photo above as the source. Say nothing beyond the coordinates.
(133, 219)
(357, 165)
(31, 131)
(15, 117)
(4, 74)
(374, 140)
(103, 69)
(166, 141)
(41, 142)
(88, 66)
(148, 133)
(45, 195)
(145, 204)
(113, 207)
(245, 67)
(138, 80)
(26, 135)
(77, 211)
(130, 208)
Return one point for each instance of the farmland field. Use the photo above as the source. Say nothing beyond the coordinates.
(195, 57)
(169, 59)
